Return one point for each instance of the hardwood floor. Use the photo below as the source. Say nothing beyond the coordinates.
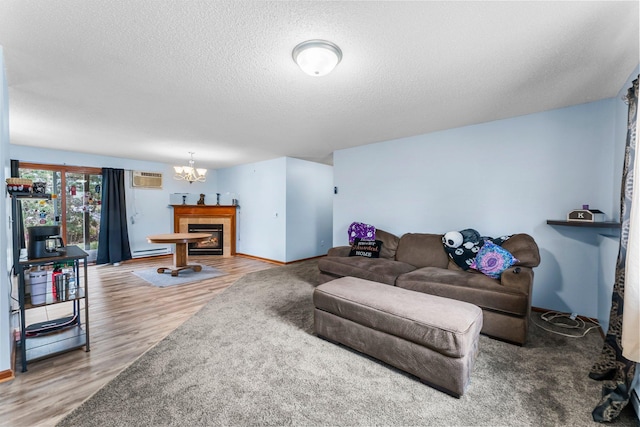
(127, 316)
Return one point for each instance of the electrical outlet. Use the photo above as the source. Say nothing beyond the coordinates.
(573, 316)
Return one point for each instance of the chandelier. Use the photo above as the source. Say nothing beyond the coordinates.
(190, 173)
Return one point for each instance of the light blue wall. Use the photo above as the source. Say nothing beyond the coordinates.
(309, 209)
(148, 210)
(502, 177)
(261, 191)
(71, 158)
(5, 230)
(285, 209)
(279, 200)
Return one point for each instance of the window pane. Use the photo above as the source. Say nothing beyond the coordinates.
(83, 211)
(37, 212)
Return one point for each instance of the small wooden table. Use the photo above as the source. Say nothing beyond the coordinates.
(180, 256)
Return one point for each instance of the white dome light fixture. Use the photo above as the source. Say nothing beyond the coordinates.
(317, 57)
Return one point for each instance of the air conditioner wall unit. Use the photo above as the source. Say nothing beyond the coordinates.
(141, 179)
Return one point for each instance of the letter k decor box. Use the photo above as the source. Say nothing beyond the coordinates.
(586, 215)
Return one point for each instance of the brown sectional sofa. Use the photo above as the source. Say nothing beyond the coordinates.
(418, 262)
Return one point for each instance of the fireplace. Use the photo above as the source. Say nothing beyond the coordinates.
(213, 245)
(184, 215)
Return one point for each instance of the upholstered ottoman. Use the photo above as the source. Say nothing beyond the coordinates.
(433, 338)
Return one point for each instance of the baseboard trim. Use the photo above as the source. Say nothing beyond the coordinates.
(6, 375)
(278, 262)
(305, 259)
(260, 258)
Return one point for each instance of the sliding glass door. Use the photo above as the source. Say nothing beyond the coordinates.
(75, 203)
(82, 212)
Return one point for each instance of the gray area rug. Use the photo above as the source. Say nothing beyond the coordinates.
(249, 357)
(162, 280)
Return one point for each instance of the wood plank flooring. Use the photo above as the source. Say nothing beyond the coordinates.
(127, 317)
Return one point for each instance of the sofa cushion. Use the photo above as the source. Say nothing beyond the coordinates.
(389, 244)
(378, 270)
(366, 248)
(339, 251)
(523, 247)
(469, 286)
(359, 230)
(492, 260)
(422, 250)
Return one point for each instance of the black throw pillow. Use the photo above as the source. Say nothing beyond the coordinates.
(366, 248)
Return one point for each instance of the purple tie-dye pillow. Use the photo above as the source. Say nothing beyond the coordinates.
(361, 231)
(492, 260)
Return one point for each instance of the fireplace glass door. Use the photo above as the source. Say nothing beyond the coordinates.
(213, 245)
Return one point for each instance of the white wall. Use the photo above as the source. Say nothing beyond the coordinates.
(6, 260)
(309, 209)
(502, 177)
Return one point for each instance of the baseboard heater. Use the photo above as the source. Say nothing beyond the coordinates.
(141, 253)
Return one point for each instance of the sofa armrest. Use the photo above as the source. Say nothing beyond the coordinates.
(518, 277)
(339, 251)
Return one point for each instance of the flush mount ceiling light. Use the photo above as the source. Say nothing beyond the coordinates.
(317, 57)
(190, 173)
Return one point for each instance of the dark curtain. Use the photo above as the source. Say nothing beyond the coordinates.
(113, 242)
(15, 169)
(612, 367)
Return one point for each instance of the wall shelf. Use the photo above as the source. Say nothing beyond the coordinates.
(601, 224)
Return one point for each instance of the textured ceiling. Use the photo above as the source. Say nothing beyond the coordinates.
(155, 79)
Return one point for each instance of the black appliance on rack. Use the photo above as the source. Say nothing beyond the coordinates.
(44, 242)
